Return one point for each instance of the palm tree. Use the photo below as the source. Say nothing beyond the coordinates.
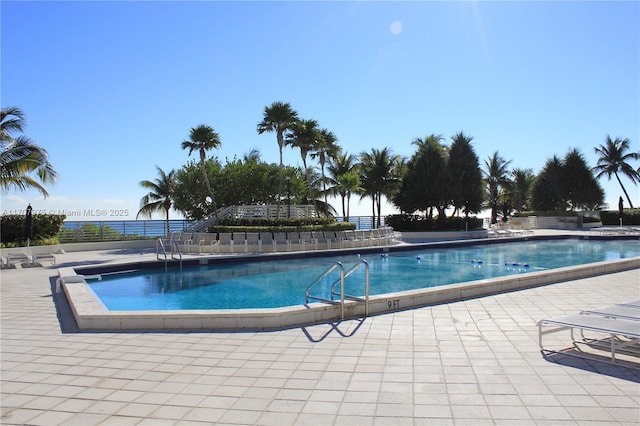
(520, 188)
(304, 136)
(20, 156)
(348, 184)
(496, 180)
(326, 149)
(11, 120)
(202, 139)
(344, 179)
(252, 156)
(278, 118)
(379, 174)
(614, 159)
(160, 196)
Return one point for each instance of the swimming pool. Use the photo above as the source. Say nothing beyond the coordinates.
(274, 284)
(90, 313)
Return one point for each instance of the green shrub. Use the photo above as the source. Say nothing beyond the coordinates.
(45, 229)
(631, 217)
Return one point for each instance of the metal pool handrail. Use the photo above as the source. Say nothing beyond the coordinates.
(317, 280)
(342, 294)
(177, 247)
(366, 285)
(160, 244)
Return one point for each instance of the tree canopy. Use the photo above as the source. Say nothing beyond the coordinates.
(23, 164)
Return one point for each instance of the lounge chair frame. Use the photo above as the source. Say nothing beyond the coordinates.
(623, 336)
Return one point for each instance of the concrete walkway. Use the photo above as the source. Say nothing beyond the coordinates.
(475, 362)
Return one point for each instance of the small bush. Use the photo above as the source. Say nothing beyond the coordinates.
(631, 217)
(45, 229)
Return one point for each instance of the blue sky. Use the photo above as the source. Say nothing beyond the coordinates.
(111, 89)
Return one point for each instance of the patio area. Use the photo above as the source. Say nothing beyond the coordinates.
(474, 362)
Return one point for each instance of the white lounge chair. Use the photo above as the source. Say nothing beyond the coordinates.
(620, 334)
(225, 241)
(18, 259)
(616, 311)
(323, 239)
(362, 237)
(632, 303)
(251, 239)
(305, 238)
(267, 243)
(208, 239)
(350, 236)
(281, 239)
(342, 237)
(38, 258)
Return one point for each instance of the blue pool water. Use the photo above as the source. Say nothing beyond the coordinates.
(278, 283)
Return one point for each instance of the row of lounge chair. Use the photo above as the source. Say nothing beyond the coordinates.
(617, 230)
(271, 242)
(22, 259)
(614, 329)
(496, 233)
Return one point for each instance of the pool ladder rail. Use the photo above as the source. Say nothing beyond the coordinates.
(161, 248)
(343, 276)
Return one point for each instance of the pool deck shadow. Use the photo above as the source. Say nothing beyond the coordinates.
(569, 357)
(333, 327)
(63, 310)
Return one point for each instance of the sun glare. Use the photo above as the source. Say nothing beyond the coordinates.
(396, 27)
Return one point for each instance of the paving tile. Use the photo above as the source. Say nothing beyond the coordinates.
(471, 362)
(463, 412)
(279, 419)
(202, 414)
(20, 416)
(51, 418)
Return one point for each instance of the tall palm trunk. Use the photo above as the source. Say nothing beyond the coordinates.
(373, 207)
(379, 203)
(624, 190)
(206, 181)
(307, 182)
(281, 171)
(348, 204)
(324, 181)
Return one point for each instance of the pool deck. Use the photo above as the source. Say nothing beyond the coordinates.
(473, 362)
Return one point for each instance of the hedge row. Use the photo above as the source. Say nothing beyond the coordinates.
(630, 217)
(403, 222)
(45, 228)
